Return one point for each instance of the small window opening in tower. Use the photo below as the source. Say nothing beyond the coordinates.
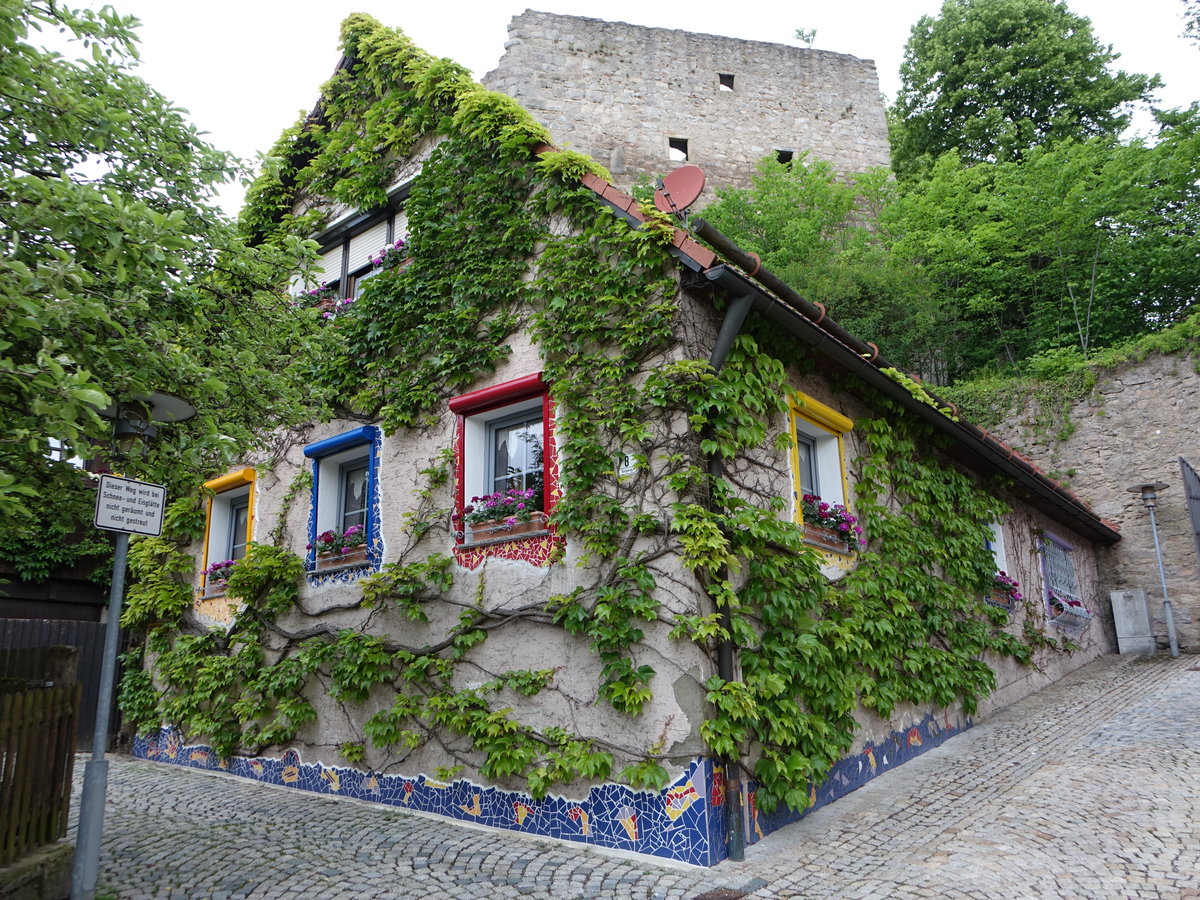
(725, 82)
(677, 149)
(785, 157)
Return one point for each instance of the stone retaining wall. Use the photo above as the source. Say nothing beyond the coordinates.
(1134, 426)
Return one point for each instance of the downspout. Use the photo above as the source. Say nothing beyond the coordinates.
(735, 841)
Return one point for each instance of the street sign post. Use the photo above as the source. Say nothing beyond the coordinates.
(127, 507)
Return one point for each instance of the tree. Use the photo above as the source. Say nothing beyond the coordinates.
(993, 78)
(827, 238)
(1078, 246)
(118, 276)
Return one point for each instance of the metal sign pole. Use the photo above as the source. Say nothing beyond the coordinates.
(95, 774)
(127, 507)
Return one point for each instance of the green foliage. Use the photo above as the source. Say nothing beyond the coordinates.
(119, 277)
(1077, 247)
(162, 583)
(266, 579)
(994, 78)
(453, 309)
(51, 537)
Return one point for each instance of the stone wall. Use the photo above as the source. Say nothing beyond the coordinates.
(1134, 427)
(621, 92)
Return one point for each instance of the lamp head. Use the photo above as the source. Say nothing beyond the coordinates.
(1149, 491)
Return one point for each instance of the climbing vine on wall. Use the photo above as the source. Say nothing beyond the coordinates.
(502, 244)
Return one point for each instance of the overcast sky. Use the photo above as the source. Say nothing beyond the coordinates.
(245, 69)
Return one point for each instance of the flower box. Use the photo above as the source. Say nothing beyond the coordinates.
(1003, 599)
(826, 538)
(328, 559)
(499, 529)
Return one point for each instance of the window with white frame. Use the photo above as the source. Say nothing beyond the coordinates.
(504, 441)
(345, 485)
(229, 523)
(817, 451)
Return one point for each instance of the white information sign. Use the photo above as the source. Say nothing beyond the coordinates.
(135, 507)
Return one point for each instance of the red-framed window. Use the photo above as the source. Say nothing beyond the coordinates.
(504, 437)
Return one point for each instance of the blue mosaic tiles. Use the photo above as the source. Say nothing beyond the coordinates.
(676, 823)
(854, 771)
(684, 822)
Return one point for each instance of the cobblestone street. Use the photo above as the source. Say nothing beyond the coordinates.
(1088, 789)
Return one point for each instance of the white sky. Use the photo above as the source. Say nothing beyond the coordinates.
(245, 69)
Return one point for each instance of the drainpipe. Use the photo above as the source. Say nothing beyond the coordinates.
(735, 841)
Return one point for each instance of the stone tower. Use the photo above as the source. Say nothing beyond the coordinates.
(645, 100)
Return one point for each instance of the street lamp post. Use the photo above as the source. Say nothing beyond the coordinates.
(132, 424)
(1149, 493)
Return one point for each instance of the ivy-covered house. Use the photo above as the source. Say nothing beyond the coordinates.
(549, 557)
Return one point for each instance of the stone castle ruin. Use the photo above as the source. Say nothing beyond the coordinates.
(643, 101)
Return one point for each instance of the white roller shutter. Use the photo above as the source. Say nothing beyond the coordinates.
(329, 266)
(366, 246)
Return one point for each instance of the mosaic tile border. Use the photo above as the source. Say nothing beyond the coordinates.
(677, 823)
(854, 771)
(684, 822)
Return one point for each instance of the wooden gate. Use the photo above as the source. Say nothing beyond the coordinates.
(86, 637)
(37, 754)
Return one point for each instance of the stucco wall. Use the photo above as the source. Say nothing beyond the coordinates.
(671, 719)
(1133, 428)
(618, 92)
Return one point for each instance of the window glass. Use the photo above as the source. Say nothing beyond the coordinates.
(995, 543)
(504, 443)
(1061, 580)
(239, 521)
(806, 450)
(361, 280)
(353, 502)
(515, 447)
(229, 522)
(345, 495)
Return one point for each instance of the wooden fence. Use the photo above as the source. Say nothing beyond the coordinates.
(19, 637)
(37, 755)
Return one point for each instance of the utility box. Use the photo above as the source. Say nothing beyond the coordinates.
(1131, 615)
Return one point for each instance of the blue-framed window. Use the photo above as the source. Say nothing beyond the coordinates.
(345, 490)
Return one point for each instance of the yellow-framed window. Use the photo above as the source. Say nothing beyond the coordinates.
(818, 451)
(229, 524)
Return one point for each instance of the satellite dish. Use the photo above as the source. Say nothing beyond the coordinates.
(679, 190)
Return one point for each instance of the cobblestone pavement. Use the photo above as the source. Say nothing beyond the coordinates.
(1089, 789)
